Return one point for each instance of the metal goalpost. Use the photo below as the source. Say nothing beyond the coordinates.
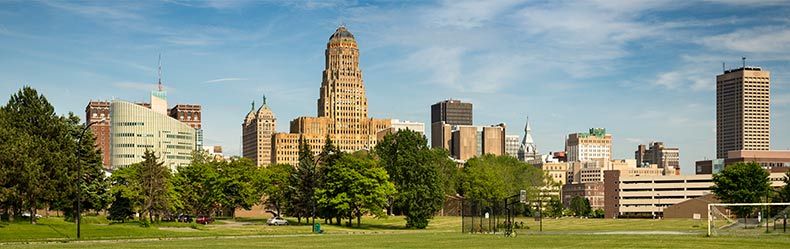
(712, 205)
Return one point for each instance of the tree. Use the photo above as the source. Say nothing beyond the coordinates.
(356, 185)
(784, 192)
(303, 183)
(196, 185)
(37, 153)
(742, 183)
(580, 206)
(155, 180)
(273, 182)
(147, 185)
(121, 208)
(326, 163)
(554, 208)
(414, 169)
(236, 184)
(493, 178)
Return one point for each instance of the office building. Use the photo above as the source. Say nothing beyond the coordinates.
(511, 145)
(772, 160)
(596, 144)
(342, 107)
(190, 115)
(257, 131)
(450, 112)
(742, 110)
(628, 196)
(657, 153)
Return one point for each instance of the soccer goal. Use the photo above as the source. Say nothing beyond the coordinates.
(748, 218)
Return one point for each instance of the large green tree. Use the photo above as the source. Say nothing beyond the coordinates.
(147, 185)
(196, 184)
(414, 169)
(303, 183)
(356, 185)
(493, 178)
(326, 163)
(37, 155)
(273, 181)
(742, 183)
(237, 184)
(580, 206)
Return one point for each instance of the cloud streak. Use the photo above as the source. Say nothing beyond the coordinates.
(224, 80)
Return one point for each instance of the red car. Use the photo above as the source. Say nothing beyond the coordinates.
(205, 220)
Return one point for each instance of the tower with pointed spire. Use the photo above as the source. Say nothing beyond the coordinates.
(257, 131)
(527, 151)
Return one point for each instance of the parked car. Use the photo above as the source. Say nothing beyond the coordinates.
(184, 218)
(277, 221)
(205, 220)
(27, 215)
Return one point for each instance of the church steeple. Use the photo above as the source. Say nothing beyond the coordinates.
(527, 151)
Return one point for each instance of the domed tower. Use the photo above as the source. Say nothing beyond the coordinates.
(342, 97)
(257, 131)
(265, 122)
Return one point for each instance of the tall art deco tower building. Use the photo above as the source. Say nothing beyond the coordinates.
(342, 107)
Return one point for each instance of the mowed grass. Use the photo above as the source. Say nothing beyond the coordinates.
(443, 232)
(427, 239)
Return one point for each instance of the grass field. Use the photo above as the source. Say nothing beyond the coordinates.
(444, 232)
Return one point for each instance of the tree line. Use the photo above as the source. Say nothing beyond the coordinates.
(40, 158)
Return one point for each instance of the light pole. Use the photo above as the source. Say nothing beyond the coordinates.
(79, 174)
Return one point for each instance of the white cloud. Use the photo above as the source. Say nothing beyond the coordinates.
(687, 78)
(763, 40)
(224, 80)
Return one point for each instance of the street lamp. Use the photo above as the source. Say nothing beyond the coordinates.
(79, 174)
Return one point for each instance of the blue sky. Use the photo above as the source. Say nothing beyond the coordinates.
(645, 70)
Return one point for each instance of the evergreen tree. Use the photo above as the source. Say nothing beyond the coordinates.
(121, 208)
(303, 183)
(37, 154)
(327, 159)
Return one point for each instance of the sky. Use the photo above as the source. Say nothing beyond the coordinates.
(644, 70)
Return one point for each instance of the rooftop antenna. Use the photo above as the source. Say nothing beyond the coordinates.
(722, 67)
(744, 62)
(159, 72)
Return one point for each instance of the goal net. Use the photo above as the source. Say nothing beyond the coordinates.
(748, 218)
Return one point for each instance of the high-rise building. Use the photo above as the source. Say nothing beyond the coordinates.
(492, 140)
(450, 112)
(664, 157)
(99, 111)
(528, 151)
(342, 107)
(511, 145)
(742, 110)
(257, 131)
(453, 112)
(595, 145)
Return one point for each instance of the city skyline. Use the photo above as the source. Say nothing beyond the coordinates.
(634, 74)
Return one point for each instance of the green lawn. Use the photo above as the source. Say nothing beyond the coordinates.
(444, 232)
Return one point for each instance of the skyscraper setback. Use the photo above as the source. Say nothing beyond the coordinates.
(743, 110)
(342, 107)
